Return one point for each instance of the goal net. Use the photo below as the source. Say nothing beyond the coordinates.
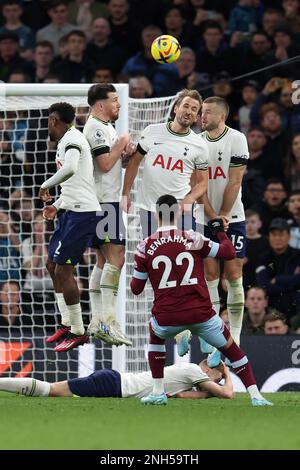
(28, 309)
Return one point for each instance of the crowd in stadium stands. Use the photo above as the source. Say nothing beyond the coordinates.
(44, 41)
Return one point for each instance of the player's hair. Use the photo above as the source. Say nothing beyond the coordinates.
(191, 94)
(99, 92)
(167, 208)
(219, 102)
(65, 111)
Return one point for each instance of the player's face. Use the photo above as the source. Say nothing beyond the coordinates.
(52, 127)
(186, 113)
(211, 117)
(111, 106)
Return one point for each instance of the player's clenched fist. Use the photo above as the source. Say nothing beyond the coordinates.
(49, 212)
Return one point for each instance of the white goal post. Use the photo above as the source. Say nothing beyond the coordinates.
(27, 157)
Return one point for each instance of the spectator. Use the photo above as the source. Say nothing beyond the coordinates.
(202, 11)
(223, 87)
(225, 317)
(51, 78)
(279, 272)
(271, 19)
(10, 304)
(184, 75)
(249, 95)
(295, 324)
(175, 25)
(18, 76)
(35, 14)
(256, 304)
(284, 49)
(10, 58)
(140, 87)
(12, 11)
(275, 324)
(76, 67)
(143, 64)
(82, 13)
(291, 15)
(34, 254)
(244, 17)
(277, 141)
(43, 56)
(253, 182)
(292, 164)
(59, 26)
(272, 206)
(213, 55)
(9, 251)
(256, 247)
(294, 209)
(102, 74)
(125, 32)
(102, 50)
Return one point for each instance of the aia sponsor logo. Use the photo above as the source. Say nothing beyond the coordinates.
(217, 172)
(168, 163)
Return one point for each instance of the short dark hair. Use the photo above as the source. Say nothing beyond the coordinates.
(251, 213)
(274, 181)
(45, 44)
(295, 192)
(219, 102)
(11, 2)
(99, 92)
(55, 3)
(167, 207)
(65, 111)
(275, 315)
(76, 32)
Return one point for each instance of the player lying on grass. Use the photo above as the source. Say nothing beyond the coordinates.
(173, 261)
(181, 381)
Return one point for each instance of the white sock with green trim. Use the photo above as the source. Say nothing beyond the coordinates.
(25, 386)
(109, 291)
(63, 309)
(95, 296)
(235, 306)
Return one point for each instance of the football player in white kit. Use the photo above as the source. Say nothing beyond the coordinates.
(181, 381)
(107, 149)
(171, 153)
(76, 226)
(228, 156)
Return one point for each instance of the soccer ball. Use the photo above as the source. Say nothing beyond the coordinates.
(165, 49)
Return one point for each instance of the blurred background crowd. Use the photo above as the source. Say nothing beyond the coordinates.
(91, 41)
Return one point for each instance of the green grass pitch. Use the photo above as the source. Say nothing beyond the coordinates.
(108, 424)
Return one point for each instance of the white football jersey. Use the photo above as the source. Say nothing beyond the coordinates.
(228, 150)
(78, 193)
(169, 162)
(101, 136)
(177, 378)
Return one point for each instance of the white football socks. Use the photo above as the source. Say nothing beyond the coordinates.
(25, 386)
(235, 306)
(95, 296)
(109, 291)
(76, 319)
(214, 294)
(254, 392)
(158, 386)
(63, 309)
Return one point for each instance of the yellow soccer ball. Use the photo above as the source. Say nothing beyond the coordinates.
(165, 49)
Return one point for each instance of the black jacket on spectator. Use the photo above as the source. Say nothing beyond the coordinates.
(284, 293)
(17, 63)
(73, 72)
(268, 213)
(110, 56)
(255, 252)
(253, 187)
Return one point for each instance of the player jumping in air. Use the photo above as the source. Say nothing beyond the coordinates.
(181, 381)
(228, 156)
(107, 149)
(76, 226)
(172, 259)
(171, 153)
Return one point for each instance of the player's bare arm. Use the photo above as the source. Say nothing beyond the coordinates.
(200, 187)
(107, 160)
(130, 175)
(219, 391)
(232, 189)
